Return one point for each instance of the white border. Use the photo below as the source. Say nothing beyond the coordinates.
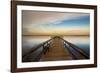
(53, 63)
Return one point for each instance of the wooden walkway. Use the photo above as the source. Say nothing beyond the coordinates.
(56, 51)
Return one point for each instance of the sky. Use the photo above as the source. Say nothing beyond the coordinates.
(55, 23)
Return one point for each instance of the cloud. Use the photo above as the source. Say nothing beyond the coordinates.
(39, 17)
(46, 23)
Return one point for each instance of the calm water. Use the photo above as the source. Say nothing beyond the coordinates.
(82, 42)
(32, 41)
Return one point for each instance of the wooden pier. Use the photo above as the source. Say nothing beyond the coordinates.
(54, 49)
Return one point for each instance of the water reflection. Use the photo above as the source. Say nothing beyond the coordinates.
(81, 41)
(32, 41)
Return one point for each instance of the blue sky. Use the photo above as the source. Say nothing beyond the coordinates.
(55, 23)
(82, 21)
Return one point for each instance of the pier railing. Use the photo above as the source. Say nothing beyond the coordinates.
(73, 49)
(45, 47)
